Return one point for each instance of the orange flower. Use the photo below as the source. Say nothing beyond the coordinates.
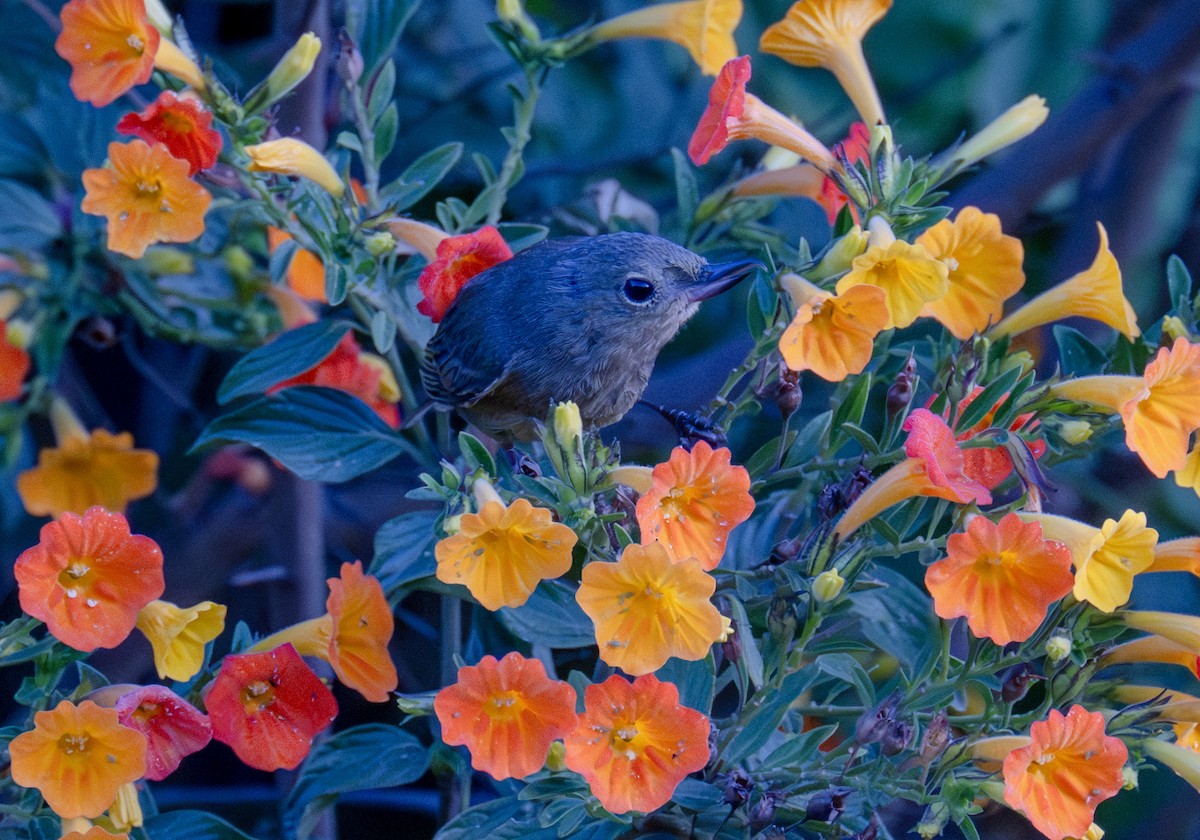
(1151, 648)
(83, 471)
(306, 272)
(990, 465)
(647, 609)
(829, 33)
(77, 756)
(934, 467)
(14, 367)
(88, 577)
(703, 27)
(985, 270)
(110, 46)
(180, 124)
(347, 368)
(908, 275)
(268, 707)
(504, 551)
(856, 147)
(147, 197)
(1187, 735)
(352, 636)
(832, 336)
(173, 727)
(506, 714)
(698, 497)
(1002, 577)
(635, 743)
(459, 258)
(94, 833)
(734, 114)
(1070, 767)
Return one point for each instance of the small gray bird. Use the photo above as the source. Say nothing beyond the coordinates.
(579, 319)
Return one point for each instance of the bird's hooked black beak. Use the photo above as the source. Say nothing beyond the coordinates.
(721, 276)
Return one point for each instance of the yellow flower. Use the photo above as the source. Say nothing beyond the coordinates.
(909, 276)
(424, 238)
(502, 552)
(171, 59)
(1015, 124)
(1187, 735)
(1106, 558)
(294, 67)
(647, 608)
(833, 336)
(1178, 706)
(1179, 628)
(1181, 555)
(1184, 762)
(1094, 293)
(178, 635)
(703, 27)
(147, 197)
(829, 33)
(1150, 648)
(126, 811)
(83, 471)
(985, 270)
(289, 156)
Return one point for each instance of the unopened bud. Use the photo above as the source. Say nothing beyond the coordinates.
(827, 586)
(349, 59)
(827, 805)
(737, 788)
(568, 426)
(896, 738)
(238, 263)
(879, 232)
(934, 821)
(164, 261)
(556, 759)
(1129, 777)
(158, 16)
(380, 243)
(841, 254)
(873, 723)
(788, 395)
(126, 810)
(1174, 329)
(18, 333)
(781, 619)
(1019, 360)
(900, 393)
(293, 68)
(1017, 123)
(1074, 432)
(1094, 832)
(452, 525)
(513, 11)
(1015, 684)
(777, 157)
(639, 478)
(1058, 647)
(762, 814)
(289, 156)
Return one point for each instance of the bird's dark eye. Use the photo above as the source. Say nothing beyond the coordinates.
(638, 289)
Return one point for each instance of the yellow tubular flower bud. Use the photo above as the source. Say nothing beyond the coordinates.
(170, 59)
(289, 156)
(294, 67)
(1017, 123)
(828, 585)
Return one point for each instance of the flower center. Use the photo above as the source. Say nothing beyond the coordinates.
(147, 711)
(77, 576)
(147, 188)
(73, 743)
(626, 741)
(135, 42)
(504, 706)
(257, 695)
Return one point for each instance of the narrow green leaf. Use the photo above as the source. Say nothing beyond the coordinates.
(382, 89)
(385, 132)
(987, 399)
(422, 176)
(550, 617)
(404, 552)
(281, 260)
(191, 825)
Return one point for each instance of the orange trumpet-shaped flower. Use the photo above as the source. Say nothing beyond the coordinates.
(703, 27)
(77, 757)
(829, 33)
(14, 367)
(1184, 762)
(306, 272)
(1151, 648)
(1187, 735)
(352, 636)
(268, 707)
(88, 577)
(934, 467)
(734, 114)
(635, 743)
(803, 180)
(147, 197)
(1179, 628)
(506, 713)
(1181, 555)
(855, 148)
(88, 470)
(347, 368)
(1106, 558)
(1094, 293)
(909, 276)
(504, 551)
(985, 270)
(178, 635)
(173, 727)
(1068, 769)
(1003, 577)
(833, 336)
(1159, 407)
(696, 499)
(110, 46)
(179, 123)
(459, 258)
(423, 238)
(297, 159)
(647, 609)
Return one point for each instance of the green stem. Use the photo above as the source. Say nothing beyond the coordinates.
(521, 133)
(366, 136)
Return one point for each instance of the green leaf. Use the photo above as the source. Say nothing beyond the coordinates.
(1078, 356)
(366, 757)
(476, 454)
(383, 331)
(29, 221)
(337, 282)
(191, 825)
(687, 195)
(318, 433)
(375, 26)
(695, 681)
(421, 176)
(382, 89)
(550, 617)
(898, 617)
(987, 399)
(850, 410)
(291, 354)
(695, 795)
(385, 132)
(404, 551)
(281, 260)
(763, 724)
(489, 818)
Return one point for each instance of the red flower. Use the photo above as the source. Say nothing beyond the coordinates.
(990, 465)
(459, 258)
(173, 727)
(351, 370)
(726, 100)
(14, 365)
(182, 125)
(855, 147)
(268, 707)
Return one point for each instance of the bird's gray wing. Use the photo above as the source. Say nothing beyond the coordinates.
(460, 366)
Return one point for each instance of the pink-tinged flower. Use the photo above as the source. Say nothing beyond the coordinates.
(856, 147)
(990, 465)
(173, 727)
(181, 124)
(88, 577)
(934, 467)
(268, 707)
(459, 258)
